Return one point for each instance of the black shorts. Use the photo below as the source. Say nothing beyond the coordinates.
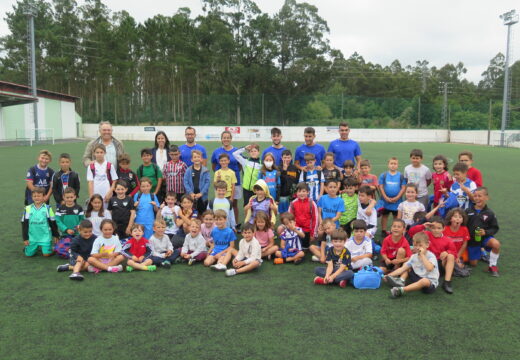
(442, 270)
(348, 227)
(414, 278)
(389, 267)
(306, 240)
(386, 212)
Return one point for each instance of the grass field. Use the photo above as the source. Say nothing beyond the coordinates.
(276, 312)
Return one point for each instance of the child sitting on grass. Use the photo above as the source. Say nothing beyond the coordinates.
(80, 249)
(264, 235)
(290, 241)
(38, 225)
(138, 252)
(249, 254)
(208, 224)
(223, 240)
(359, 246)
(194, 247)
(421, 269)
(395, 250)
(324, 239)
(106, 250)
(339, 269)
(162, 248)
(96, 213)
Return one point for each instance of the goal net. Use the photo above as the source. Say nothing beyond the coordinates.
(35, 136)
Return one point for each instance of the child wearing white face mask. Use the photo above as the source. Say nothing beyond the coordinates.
(270, 174)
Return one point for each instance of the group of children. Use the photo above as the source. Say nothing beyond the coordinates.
(132, 219)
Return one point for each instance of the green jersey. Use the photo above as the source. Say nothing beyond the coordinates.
(38, 224)
(351, 205)
(152, 172)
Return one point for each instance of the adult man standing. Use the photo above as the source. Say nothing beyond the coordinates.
(309, 146)
(277, 148)
(345, 148)
(113, 146)
(191, 145)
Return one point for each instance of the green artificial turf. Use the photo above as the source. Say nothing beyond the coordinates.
(273, 313)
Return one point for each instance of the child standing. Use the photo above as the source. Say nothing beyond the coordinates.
(306, 214)
(153, 173)
(101, 176)
(96, 213)
(330, 171)
(122, 210)
(173, 172)
(462, 187)
(365, 177)
(227, 175)
(482, 226)
(366, 210)
(421, 269)
(270, 174)
(38, 225)
(289, 177)
(395, 250)
(39, 175)
(106, 250)
(330, 205)
(223, 241)
(146, 205)
(359, 246)
(222, 203)
(125, 173)
(392, 187)
(196, 182)
(69, 215)
(474, 174)
(349, 170)
(249, 253)
(312, 177)
(194, 247)
(251, 166)
(339, 268)
(290, 245)
(418, 174)
(407, 209)
(264, 234)
(80, 249)
(261, 202)
(350, 202)
(441, 178)
(162, 248)
(64, 179)
(137, 251)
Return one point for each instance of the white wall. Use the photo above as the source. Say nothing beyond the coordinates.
(68, 120)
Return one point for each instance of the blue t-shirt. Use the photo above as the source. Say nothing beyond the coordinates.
(276, 152)
(462, 197)
(272, 179)
(186, 150)
(144, 213)
(330, 207)
(222, 238)
(344, 150)
(316, 149)
(392, 185)
(233, 163)
(39, 177)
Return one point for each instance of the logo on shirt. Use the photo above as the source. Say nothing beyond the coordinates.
(125, 203)
(75, 211)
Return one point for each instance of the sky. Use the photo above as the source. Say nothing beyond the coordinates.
(382, 31)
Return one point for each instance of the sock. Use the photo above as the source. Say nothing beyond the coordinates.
(109, 269)
(493, 258)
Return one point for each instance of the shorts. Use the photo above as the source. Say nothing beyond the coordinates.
(213, 253)
(348, 227)
(442, 271)
(474, 251)
(238, 192)
(414, 278)
(283, 205)
(32, 249)
(286, 253)
(386, 212)
(306, 240)
(389, 267)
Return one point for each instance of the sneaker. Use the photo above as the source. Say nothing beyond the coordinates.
(278, 261)
(238, 228)
(298, 261)
(93, 269)
(395, 292)
(115, 269)
(64, 267)
(179, 260)
(151, 268)
(343, 284)
(218, 267)
(484, 255)
(315, 258)
(493, 270)
(446, 286)
(319, 281)
(231, 272)
(129, 268)
(166, 264)
(394, 281)
(191, 261)
(269, 257)
(76, 276)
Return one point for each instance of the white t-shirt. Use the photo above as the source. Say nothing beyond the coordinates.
(106, 246)
(418, 176)
(101, 183)
(369, 220)
(169, 215)
(96, 220)
(408, 210)
(161, 158)
(355, 249)
(418, 267)
(111, 153)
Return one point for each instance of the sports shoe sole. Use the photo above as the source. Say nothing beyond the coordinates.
(393, 283)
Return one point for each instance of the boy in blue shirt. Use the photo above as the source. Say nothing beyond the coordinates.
(462, 186)
(277, 148)
(309, 147)
(312, 177)
(40, 175)
(391, 186)
(223, 240)
(146, 205)
(330, 205)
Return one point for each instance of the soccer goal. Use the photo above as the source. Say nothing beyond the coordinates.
(35, 136)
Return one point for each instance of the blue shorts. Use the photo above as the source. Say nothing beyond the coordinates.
(286, 253)
(213, 253)
(474, 251)
(283, 205)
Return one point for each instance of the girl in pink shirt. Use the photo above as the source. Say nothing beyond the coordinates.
(264, 234)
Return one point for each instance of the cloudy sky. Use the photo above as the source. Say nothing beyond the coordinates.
(381, 31)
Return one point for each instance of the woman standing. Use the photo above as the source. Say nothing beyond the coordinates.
(160, 150)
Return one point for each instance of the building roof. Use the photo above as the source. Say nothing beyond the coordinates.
(9, 99)
(25, 91)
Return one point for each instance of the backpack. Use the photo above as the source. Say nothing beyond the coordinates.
(93, 169)
(141, 168)
(62, 247)
(368, 278)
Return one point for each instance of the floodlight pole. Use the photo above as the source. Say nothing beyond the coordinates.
(510, 18)
(30, 12)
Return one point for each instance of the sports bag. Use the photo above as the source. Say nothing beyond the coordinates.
(62, 247)
(368, 278)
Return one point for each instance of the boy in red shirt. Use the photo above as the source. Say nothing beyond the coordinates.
(365, 177)
(138, 251)
(473, 174)
(395, 250)
(443, 249)
(305, 212)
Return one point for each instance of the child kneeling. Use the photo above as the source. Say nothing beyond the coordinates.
(138, 251)
(339, 268)
(249, 254)
(422, 269)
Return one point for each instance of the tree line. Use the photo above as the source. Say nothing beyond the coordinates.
(235, 64)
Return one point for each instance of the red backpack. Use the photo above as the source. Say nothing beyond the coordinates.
(109, 166)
